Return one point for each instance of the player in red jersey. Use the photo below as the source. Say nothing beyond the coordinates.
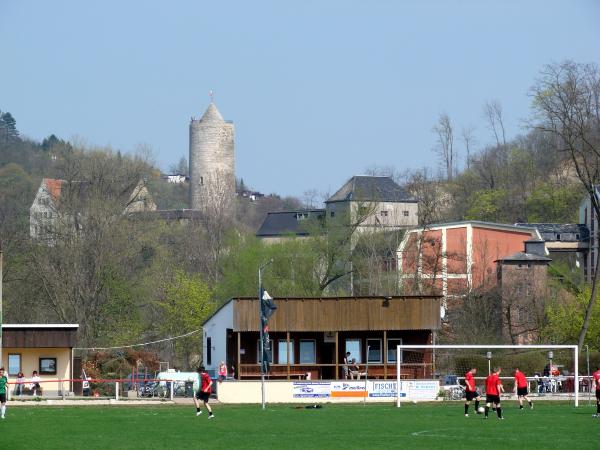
(493, 388)
(471, 392)
(596, 378)
(521, 388)
(204, 392)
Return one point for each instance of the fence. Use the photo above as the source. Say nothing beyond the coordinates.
(126, 388)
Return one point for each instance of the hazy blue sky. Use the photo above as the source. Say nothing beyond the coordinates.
(318, 90)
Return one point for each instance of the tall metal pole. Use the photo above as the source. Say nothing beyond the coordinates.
(262, 350)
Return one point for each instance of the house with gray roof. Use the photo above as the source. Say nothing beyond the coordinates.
(374, 202)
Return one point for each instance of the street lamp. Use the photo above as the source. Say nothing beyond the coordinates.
(489, 358)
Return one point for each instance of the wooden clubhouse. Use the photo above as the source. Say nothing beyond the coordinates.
(312, 335)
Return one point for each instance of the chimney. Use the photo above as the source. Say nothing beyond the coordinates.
(535, 247)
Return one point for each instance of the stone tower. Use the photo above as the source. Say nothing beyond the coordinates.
(212, 162)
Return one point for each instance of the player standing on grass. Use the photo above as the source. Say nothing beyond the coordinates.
(521, 387)
(204, 392)
(471, 392)
(596, 378)
(3, 383)
(493, 388)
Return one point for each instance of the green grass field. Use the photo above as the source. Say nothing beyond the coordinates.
(548, 426)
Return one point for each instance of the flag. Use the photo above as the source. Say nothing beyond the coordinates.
(267, 308)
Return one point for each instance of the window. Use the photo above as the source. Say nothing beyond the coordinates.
(282, 353)
(308, 353)
(384, 213)
(208, 351)
(405, 213)
(558, 236)
(353, 346)
(201, 181)
(258, 353)
(14, 363)
(47, 366)
(374, 350)
(332, 214)
(391, 349)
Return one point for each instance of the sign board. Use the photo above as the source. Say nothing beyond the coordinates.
(348, 389)
(423, 389)
(311, 390)
(329, 336)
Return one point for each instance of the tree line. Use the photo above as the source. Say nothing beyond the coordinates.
(130, 278)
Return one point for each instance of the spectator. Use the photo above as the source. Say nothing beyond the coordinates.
(35, 384)
(345, 367)
(20, 382)
(222, 371)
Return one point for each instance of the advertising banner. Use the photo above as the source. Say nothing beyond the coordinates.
(311, 390)
(348, 389)
(423, 389)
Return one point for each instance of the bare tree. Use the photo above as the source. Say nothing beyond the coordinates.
(468, 138)
(445, 143)
(492, 112)
(567, 105)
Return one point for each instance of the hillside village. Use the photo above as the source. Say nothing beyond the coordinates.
(504, 248)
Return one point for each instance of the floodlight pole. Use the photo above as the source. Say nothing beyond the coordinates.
(262, 349)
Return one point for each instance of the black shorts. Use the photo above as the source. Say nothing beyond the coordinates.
(492, 399)
(522, 392)
(597, 394)
(3, 398)
(471, 395)
(201, 395)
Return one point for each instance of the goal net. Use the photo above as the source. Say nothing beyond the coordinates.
(551, 370)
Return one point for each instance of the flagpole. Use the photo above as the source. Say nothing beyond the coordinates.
(260, 325)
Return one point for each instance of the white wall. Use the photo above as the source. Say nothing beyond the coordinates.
(216, 330)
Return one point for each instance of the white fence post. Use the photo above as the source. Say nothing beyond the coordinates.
(171, 386)
(116, 390)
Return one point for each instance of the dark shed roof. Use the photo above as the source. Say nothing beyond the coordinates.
(288, 222)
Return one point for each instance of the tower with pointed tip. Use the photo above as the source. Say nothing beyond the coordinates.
(212, 162)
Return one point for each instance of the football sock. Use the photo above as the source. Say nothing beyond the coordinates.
(476, 405)
(3, 410)
(597, 408)
(521, 406)
(467, 409)
(197, 409)
(499, 410)
(530, 403)
(487, 410)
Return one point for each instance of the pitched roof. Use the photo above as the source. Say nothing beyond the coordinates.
(521, 256)
(212, 115)
(281, 223)
(371, 188)
(568, 231)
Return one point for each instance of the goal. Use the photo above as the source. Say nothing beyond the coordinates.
(551, 370)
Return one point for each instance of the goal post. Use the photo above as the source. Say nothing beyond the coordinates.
(552, 364)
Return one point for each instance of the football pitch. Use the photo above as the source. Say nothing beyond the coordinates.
(549, 425)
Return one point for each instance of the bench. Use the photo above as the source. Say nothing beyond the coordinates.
(26, 390)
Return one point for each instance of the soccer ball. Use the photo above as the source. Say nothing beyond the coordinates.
(481, 410)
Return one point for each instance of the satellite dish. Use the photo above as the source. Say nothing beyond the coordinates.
(442, 312)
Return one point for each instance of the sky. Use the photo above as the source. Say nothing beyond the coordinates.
(319, 90)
